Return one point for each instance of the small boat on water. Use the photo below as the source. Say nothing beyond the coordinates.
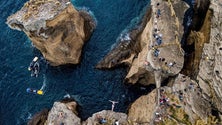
(34, 67)
(34, 91)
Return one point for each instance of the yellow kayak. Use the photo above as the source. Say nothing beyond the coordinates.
(40, 92)
(34, 91)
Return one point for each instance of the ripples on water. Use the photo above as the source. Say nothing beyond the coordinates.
(91, 88)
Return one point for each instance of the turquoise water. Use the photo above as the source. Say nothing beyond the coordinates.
(90, 87)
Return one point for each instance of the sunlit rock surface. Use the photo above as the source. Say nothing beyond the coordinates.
(63, 113)
(109, 116)
(55, 27)
(138, 48)
(190, 96)
(210, 69)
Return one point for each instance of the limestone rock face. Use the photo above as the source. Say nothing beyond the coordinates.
(127, 47)
(63, 113)
(181, 103)
(110, 117)
(210, 68)
(189, 96)
(143, 109)
(198, 36)
(55, 27)
(137, 49)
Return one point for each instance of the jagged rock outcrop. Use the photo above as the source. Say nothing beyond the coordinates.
(210, 70)
(192, 101)
(39, 118)
(55, 27)
(63, 113)
(110, 117)
(138, 49)
(181, 103)
(189, 98)
(127, 48)
(196, 35)
(142, 110)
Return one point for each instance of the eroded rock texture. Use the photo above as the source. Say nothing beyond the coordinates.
(39, 118)
(181, 103)
(143, 109)
(55, 27)
(63, 113)
(209, 76)
(193, 95)
(139, 46)
(110, 117)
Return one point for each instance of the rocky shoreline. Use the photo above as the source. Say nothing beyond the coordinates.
(55, 28)
(156, 54)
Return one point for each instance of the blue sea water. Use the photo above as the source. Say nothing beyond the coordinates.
(90, 87)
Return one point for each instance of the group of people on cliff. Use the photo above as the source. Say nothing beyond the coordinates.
(157, 35)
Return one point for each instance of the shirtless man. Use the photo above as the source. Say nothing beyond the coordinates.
(113, 104)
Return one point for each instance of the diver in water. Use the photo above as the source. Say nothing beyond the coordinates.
(34, 67)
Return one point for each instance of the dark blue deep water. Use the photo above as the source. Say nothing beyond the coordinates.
(90, 87)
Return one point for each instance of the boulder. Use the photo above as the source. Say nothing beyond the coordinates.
(39, 118)
(55, 28)
(142, 110)
(63, 113)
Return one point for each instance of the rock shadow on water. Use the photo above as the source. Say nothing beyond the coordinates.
(127, 45)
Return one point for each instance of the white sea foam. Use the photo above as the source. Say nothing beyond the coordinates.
(86, 9)
(77, 98)
(44, 82)
(125, 37)
(29, 116)
(67, 96)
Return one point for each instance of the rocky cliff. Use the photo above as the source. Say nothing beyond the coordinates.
(209, 76)
(181, 103)
(55, 27)
(153, 47)
(39, 118)
(195, 99)
(109, 116)
(154, 52)
(64, 112)
(193, 26)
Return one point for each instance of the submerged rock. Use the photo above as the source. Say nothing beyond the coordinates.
(55, 27)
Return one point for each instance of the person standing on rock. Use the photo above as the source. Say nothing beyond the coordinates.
(113, 104)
